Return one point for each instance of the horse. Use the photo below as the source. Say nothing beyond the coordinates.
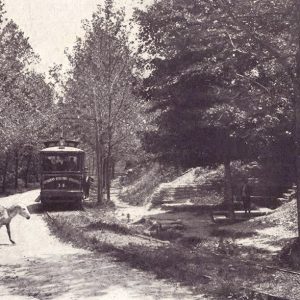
(7, 214)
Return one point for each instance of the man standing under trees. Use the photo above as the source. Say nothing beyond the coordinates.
(86, 186)
(246, 196)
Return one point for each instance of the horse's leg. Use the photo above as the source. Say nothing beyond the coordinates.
(8, 232)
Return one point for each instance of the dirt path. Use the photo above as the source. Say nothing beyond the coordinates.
(40, 266)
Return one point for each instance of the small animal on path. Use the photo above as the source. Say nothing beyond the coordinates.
(7, 214)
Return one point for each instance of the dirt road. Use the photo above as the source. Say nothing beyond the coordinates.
(40, 266)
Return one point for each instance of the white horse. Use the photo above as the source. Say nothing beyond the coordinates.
(7, 214)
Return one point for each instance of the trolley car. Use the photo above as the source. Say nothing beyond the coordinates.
(62, 172)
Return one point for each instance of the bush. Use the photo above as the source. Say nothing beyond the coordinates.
(149, 178)
(289, 255)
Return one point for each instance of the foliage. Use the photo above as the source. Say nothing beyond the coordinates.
(26, 104)
(221, 82)
(143, 182)
(99, 90)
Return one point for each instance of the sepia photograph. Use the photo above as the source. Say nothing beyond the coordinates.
(150, 149)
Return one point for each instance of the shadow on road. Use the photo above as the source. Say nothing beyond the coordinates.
(35, 208)
(84, 276)
(38, 208)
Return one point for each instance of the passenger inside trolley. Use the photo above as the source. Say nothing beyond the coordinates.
(56, 163)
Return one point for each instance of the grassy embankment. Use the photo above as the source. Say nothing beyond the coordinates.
(97, 229)
(208, 272)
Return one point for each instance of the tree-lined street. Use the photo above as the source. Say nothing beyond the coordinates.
(189, 106)
(40, 266)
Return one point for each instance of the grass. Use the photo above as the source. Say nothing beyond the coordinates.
(189, 261)
(100, 225)
(231, 234)
(176, 261)
(138, 191)
(289, 256)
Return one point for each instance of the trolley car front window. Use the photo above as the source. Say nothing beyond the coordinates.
(60, 162)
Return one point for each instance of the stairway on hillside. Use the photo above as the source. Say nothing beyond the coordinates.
(170, 195)
(189, 195)
(182, 196)
(288, 195)
(220, 215)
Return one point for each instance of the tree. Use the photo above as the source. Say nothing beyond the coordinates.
(26, 103)
(273, 27)
(210, 73)
(99, 89)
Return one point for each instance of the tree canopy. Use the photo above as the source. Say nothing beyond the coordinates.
(99, 89)
(26, 106)
(211, 70)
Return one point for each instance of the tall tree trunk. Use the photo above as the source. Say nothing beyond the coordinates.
(112, 169)
(228, 195)
(36, 169)
(99, 168)
(104, 173)
(5, 172)
(108, 178)
(93, 164)
(297, 142)
(27, 169)
(296, 86)
(16, 168)
(99, 150)
(108, 162)
(109, 127)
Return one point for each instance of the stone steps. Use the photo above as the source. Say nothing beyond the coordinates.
(183, 196)
(222, 216)
(254, 213)
(169, 195)
(288, 195)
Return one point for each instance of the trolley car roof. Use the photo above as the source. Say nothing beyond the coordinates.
(62, 149)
